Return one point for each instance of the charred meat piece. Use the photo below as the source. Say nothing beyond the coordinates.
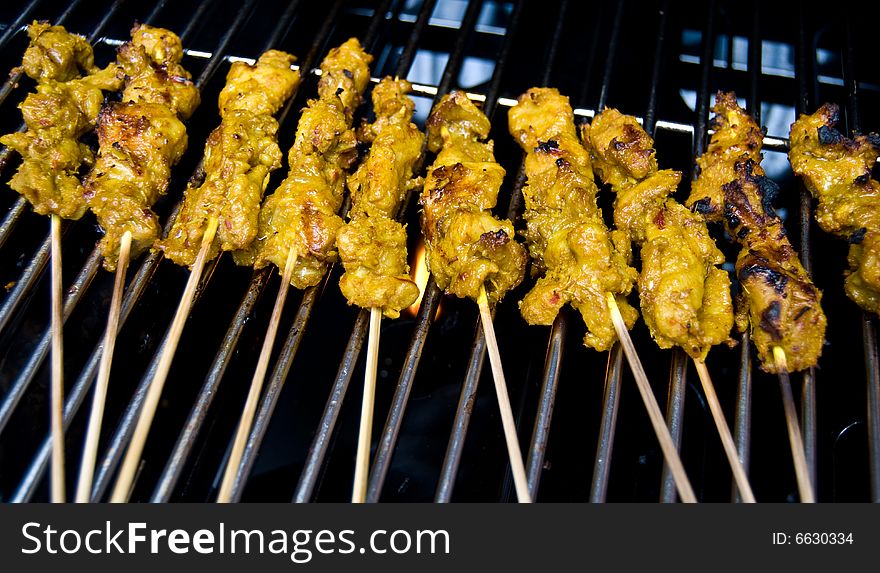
(302, 213)
(372, 245)
(837, 171)
(140, 139)
(685, 297)
(467, 247)
(240, 154)
(571, 248)
(779, 301)
(737, 137)
(63, 108)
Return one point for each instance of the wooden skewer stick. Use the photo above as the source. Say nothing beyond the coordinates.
(513, 450)
(122, 488)
(253, 397)
(93, 434)
(56, 397)
(362, 460)
(739, 472)
(805, 488)
(685, 491)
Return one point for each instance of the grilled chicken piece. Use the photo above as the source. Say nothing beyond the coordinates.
(580, 261)
(240, 154)
(685, 297)
(302, 213)
(467, 247)
(779, 300)
(56, 54)
(372, 245)
(837, 171)
(152, 63)
(63, 109)
(140, 139)
(737, 137)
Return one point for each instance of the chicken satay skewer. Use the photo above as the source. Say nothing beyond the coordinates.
(122, 487)
(582, 262)
(670, 453)
(802, 472)
(130, 173)
(779, 302)
(372, 244)
(93, 432)
(304, 209)
(685, 297)
(239, 156)
(470, 253)
(57, 384)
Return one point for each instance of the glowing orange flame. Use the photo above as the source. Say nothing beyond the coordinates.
(420, 276)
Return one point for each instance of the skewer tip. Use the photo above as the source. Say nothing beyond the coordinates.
(780, 359)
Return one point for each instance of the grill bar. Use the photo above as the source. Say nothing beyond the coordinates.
(650, 124)
(154, 13)
(550, 383)
(610, 57)
(607, 426)
(869, 323)
(614, 371)
(678, 366)
(556, 346)
(743, 414)
(451, 461)
(674, 418)
(18, 24)
(808, 377)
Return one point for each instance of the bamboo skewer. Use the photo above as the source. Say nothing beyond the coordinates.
(93, 433)
(56, 397)
(685, 491)
(739, 472)
(805, 488)
(517, 467)
(122, 488)
(362, 460)
(250, 407)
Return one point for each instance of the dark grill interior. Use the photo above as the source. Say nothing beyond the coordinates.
(437, 432)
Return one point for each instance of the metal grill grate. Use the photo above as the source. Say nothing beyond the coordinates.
(441, 436)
